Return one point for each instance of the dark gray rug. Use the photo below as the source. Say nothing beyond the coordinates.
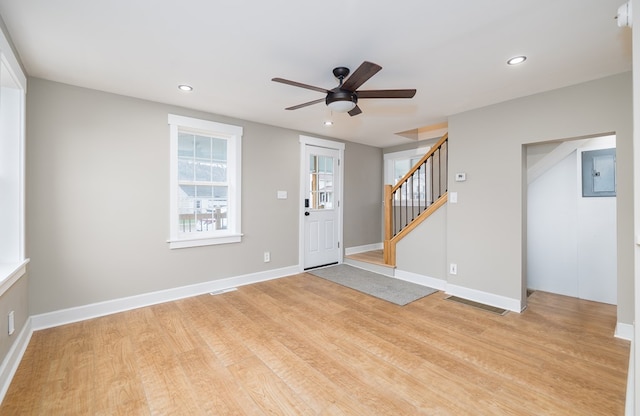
(386, 288)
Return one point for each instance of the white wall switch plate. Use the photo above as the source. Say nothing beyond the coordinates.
(12, 324)
(453, 197)
(461, 177)
(282, 194)
(453, 268)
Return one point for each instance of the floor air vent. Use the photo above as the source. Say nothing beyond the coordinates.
(478, 305)
(221, 291)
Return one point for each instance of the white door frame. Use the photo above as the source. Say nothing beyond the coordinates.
(339, 146)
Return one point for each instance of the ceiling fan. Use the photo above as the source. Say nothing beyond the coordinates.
(344, 97)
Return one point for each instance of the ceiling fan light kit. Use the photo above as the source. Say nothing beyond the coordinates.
(341, 101)
(344, 97)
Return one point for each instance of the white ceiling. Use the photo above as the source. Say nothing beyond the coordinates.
(452, 52)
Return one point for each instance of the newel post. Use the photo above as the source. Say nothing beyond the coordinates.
(388, 224)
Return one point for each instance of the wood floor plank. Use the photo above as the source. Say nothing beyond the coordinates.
(352, 379)
(166, 386)
(309, 382)
(116, 373)
(219, 392)
(304, 345)
(269, 392)
(391, 355)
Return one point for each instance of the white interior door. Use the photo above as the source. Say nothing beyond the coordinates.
(321, 220)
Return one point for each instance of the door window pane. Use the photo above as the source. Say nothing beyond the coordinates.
(321, 182)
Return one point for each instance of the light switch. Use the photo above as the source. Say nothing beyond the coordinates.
(453, 197)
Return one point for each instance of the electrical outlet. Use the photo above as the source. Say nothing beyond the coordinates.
(267, 257)
(453, 268)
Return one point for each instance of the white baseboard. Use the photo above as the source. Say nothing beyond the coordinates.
(81, 313)
(14, 356)
(491, 299)
(371, 267)
(361, 249)
(12, 360)
(624, 331)
(419, 279)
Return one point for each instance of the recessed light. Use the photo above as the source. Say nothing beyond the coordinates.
(185, 87)
(516, 60)
(328, 123)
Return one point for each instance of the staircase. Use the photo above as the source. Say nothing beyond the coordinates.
(415, 197)
(412, 200)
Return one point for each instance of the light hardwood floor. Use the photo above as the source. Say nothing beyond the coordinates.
(373, 256)
(305, 346)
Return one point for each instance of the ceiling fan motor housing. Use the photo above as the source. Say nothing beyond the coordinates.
(341, 95)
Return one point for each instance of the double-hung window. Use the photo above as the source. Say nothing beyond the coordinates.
(205, 182)
(13, 84)
(397, 164)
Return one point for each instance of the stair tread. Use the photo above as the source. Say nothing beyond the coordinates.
(373, 257)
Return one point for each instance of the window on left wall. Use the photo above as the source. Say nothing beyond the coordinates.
(205, 184)
(13, 84)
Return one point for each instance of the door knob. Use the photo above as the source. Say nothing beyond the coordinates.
(306, 213)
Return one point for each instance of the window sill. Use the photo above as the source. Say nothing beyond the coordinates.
(10, 273)
(206, 241)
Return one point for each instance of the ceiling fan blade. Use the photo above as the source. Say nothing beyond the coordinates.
(295, 107)
(355, 111)
(386, 94)
(298, 84)
(360, 76)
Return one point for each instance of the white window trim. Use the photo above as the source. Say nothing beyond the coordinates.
(13, 262)
(234, 133)
(390, 158)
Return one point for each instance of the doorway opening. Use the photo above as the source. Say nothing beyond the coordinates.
(321, 184)
(571, 235)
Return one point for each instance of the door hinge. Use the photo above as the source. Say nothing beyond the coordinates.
(338, 244)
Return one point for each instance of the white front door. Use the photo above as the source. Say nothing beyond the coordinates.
(321, 220)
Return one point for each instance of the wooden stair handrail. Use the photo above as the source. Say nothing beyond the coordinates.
(390, 240)
(389, 245)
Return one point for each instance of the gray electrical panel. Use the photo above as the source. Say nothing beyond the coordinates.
(599, 173)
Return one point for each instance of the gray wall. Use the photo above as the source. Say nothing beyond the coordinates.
(98, 199)
(363, 194)
(423, 250)
(485, 232)
(15, 299)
